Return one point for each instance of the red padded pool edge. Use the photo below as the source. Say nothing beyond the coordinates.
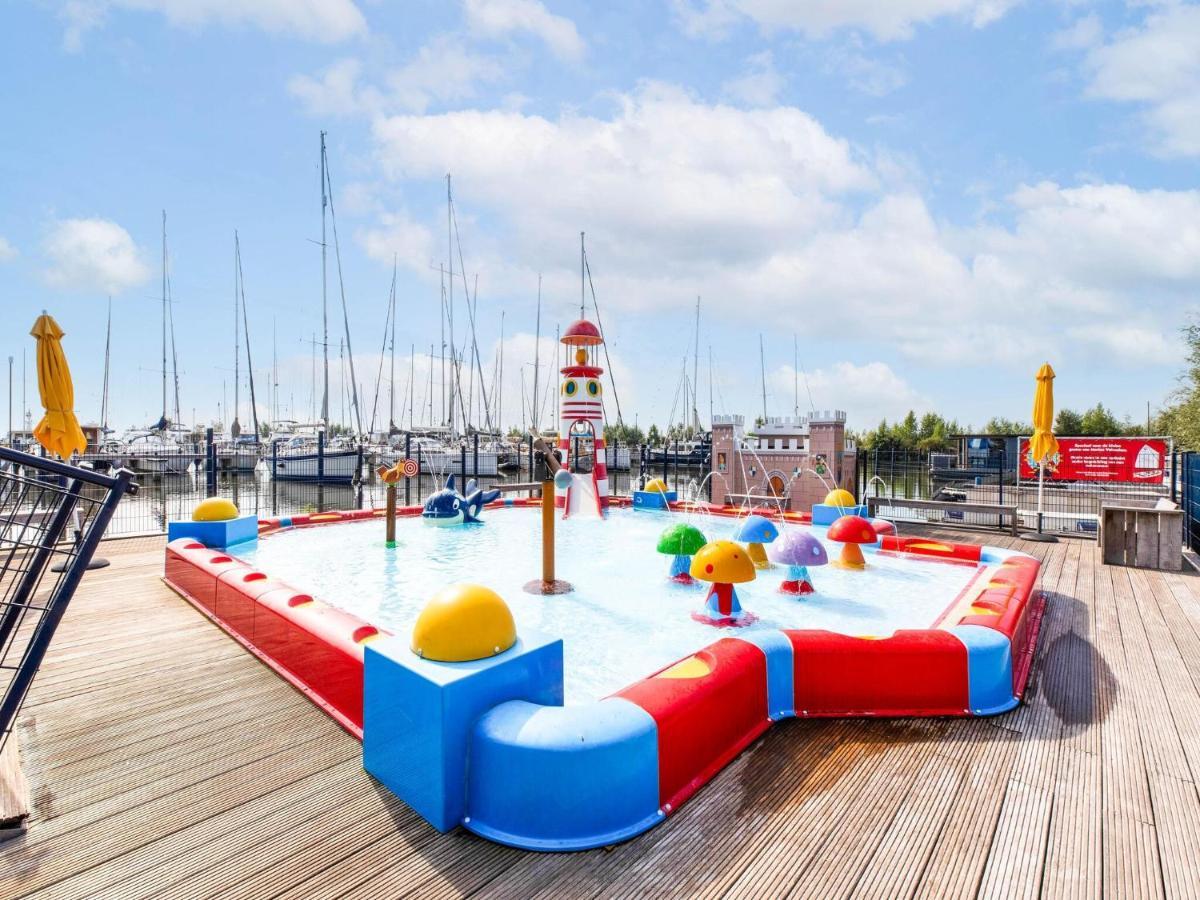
(317, 648)
(702, 710)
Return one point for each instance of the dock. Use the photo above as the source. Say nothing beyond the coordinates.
(165, 761)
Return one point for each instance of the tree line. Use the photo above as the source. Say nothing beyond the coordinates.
(932, 432)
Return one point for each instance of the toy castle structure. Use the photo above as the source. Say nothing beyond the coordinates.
(793, 459)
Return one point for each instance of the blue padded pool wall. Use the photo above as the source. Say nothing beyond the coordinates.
(823, 514)
(563, 777)
(418, 715)
(217, 535)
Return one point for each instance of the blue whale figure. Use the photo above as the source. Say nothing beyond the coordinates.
(449, 507)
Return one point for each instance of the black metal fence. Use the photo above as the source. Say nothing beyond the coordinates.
(1068, 506)
(1189, 498)
(52, 517)
(275, 480)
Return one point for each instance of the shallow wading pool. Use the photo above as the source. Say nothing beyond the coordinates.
(615, 705)
(624, 619)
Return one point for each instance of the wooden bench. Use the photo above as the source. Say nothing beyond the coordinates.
(1134, 533)
(996, 509)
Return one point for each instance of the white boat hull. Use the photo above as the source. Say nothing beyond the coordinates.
(340, 466)
(237, 461)
(168, 464)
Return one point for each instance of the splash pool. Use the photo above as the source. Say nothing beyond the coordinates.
(624, 619)
(613, 706)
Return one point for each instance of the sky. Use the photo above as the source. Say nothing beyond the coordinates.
(920, 200)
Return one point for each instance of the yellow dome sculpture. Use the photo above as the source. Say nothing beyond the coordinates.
(656, 484)
(463, 622)
(839, 497)
(215, 509)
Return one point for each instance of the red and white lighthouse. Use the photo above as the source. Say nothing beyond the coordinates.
(581, 422)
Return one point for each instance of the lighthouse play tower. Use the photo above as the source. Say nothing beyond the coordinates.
(581, 424)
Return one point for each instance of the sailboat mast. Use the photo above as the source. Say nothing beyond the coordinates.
(696, 371)
(392, 377)
(795, 377)
(450, 303)
(324, 297)
(537, 354)
(500, 381)
(104, 395)
(762, 365)
(164, 313)
(442, 326)
(246, 333)
(412, 389)
(710, 387)
(235, 429)
(274, 374)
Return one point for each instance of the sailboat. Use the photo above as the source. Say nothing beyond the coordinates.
(697, 450)
(297, 458)
(239, 452)
(158, 450)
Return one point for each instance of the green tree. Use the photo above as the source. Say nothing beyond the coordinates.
(1181, 417)
(1002, 426)
(623, 433)
(907, 431)
(1099, 421)
(653, 437)
(1068, 422)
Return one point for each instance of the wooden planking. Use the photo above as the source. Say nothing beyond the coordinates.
(153, 783)
(14, 790)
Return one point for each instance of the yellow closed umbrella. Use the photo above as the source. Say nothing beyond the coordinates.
(59, 430)
(1043, 446)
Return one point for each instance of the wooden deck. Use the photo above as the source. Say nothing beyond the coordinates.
(166, 761)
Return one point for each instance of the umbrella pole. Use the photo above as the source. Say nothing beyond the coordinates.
(1039, 535)
(96, 562)
(1041, 482)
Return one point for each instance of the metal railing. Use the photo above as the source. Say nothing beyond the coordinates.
(1189, 498)
(1071, 507)
(52, 517)
(270, 480)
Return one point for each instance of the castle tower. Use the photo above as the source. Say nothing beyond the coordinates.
(581, 420)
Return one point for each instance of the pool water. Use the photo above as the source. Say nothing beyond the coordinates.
(625, 619)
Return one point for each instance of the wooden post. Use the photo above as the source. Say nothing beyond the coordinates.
(391, 515)
(548, 584)
(548, 532)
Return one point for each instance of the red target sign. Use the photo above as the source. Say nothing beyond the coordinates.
(409, 468)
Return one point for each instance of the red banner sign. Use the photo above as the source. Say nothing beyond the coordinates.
(1133, 459)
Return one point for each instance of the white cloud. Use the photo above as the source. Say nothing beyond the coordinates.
(759, 85)
(866, 74)
(441, 71)
(1084, 32)
(1131, 344)
(500, 18)
(7, 250)
(1155, 65)
(1103, 238)
(886, 21)
(335, 91)
(773, 219)
(713, 182)
(873, 390)
(324, 21)
(397, 236)
(92, 255)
